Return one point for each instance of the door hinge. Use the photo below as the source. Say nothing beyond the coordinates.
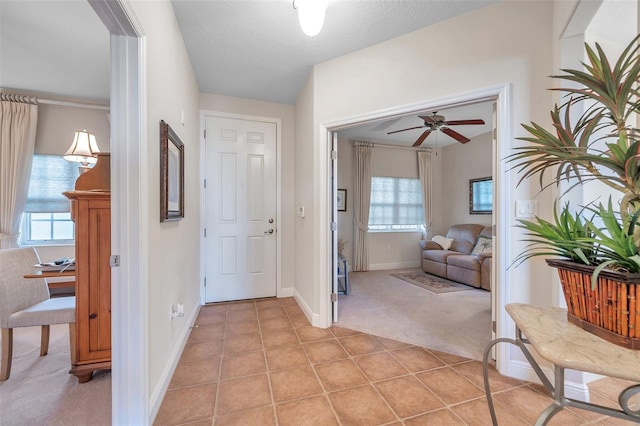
(334, 154)
(334, 226)
(205, 232)
(114, 260)
(334, 297)
(205, 183)
(493, 326)
(205, 282)
(205, 133)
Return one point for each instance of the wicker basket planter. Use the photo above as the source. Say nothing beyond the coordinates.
(610, 311)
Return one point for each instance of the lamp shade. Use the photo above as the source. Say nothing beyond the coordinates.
(311, 15)
(83, 149)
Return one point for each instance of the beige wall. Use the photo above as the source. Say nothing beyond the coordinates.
(284, 112)
(57, 125)
(459, 164)
(453, 166)
(387, 250)
(306, 249)
(173, 247)
(506, 43)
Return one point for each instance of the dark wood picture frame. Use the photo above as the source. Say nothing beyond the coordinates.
(478, 187)
(171, 174)
(342, 200)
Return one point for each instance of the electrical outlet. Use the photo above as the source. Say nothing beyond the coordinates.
(172, 312)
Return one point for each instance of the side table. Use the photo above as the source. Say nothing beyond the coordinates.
(567, 346)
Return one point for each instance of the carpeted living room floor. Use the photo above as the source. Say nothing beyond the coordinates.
(380, 304)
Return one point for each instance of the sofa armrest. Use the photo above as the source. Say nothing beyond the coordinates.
(483, 256)
(429, 245)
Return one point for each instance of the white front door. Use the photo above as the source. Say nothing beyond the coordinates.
(240, 209)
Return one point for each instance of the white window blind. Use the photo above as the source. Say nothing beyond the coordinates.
(396, 204)
(51, 175)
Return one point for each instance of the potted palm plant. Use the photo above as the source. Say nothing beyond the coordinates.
(598, 244)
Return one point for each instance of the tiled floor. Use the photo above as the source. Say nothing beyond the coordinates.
(261, 363)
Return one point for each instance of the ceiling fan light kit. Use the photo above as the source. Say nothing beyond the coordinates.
(311, 15)
(439, 122)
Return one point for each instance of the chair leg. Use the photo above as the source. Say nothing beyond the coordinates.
(7, 353)
(44, 340)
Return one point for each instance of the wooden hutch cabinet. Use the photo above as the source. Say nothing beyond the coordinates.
(91, 213)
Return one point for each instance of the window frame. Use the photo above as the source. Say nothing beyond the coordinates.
(25, 228)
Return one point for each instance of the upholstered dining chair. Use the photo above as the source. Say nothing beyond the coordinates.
(26, 303)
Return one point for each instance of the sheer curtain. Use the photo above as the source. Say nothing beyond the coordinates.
(424, 173)
(362, 185)
(18, 121)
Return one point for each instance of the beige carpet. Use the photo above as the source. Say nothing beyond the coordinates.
(458, 323)
(431, 282)
(40, 390)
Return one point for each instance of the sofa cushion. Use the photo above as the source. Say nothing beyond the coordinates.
(438, 255)
(443, 242)
(465, 261)
(465, 236)
(483, 246)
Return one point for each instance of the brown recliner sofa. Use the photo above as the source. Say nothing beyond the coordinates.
(467, 260)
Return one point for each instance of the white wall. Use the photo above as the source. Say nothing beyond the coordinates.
(174, 266)
(285, 112)
(505, 43)
(459, 164)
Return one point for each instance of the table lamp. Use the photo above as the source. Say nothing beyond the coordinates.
(83, 150)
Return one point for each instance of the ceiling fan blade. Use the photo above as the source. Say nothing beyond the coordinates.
(457, 136)
(461, 122)
(404, 130)
(422, 138)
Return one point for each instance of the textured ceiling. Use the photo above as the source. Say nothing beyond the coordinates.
(256, 49)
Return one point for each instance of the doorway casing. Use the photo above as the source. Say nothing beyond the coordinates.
(501, 94)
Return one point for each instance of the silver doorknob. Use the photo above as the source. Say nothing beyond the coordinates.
(270, 220)
(270, 231)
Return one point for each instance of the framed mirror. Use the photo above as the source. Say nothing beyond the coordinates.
(481, 195)
(171, 174)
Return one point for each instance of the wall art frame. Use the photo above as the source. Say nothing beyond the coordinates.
(481, 195)
(171, 174)
(342, 200)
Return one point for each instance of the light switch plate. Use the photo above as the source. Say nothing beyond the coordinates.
(526, 209)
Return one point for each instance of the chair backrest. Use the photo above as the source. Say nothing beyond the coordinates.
(17, 292)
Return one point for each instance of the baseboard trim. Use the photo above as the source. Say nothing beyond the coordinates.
(156, 397)
(523, 371)
(393, 265)
(314, 319)
(285, 292)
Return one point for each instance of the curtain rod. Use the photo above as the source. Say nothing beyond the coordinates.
(386, 145)
(36, 100)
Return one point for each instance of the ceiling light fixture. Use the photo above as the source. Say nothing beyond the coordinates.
(83, 150)
(311, 15)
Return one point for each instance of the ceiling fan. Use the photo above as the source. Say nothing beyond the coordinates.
(439, 122)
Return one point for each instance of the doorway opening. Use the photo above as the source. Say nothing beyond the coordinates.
(388, 121)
